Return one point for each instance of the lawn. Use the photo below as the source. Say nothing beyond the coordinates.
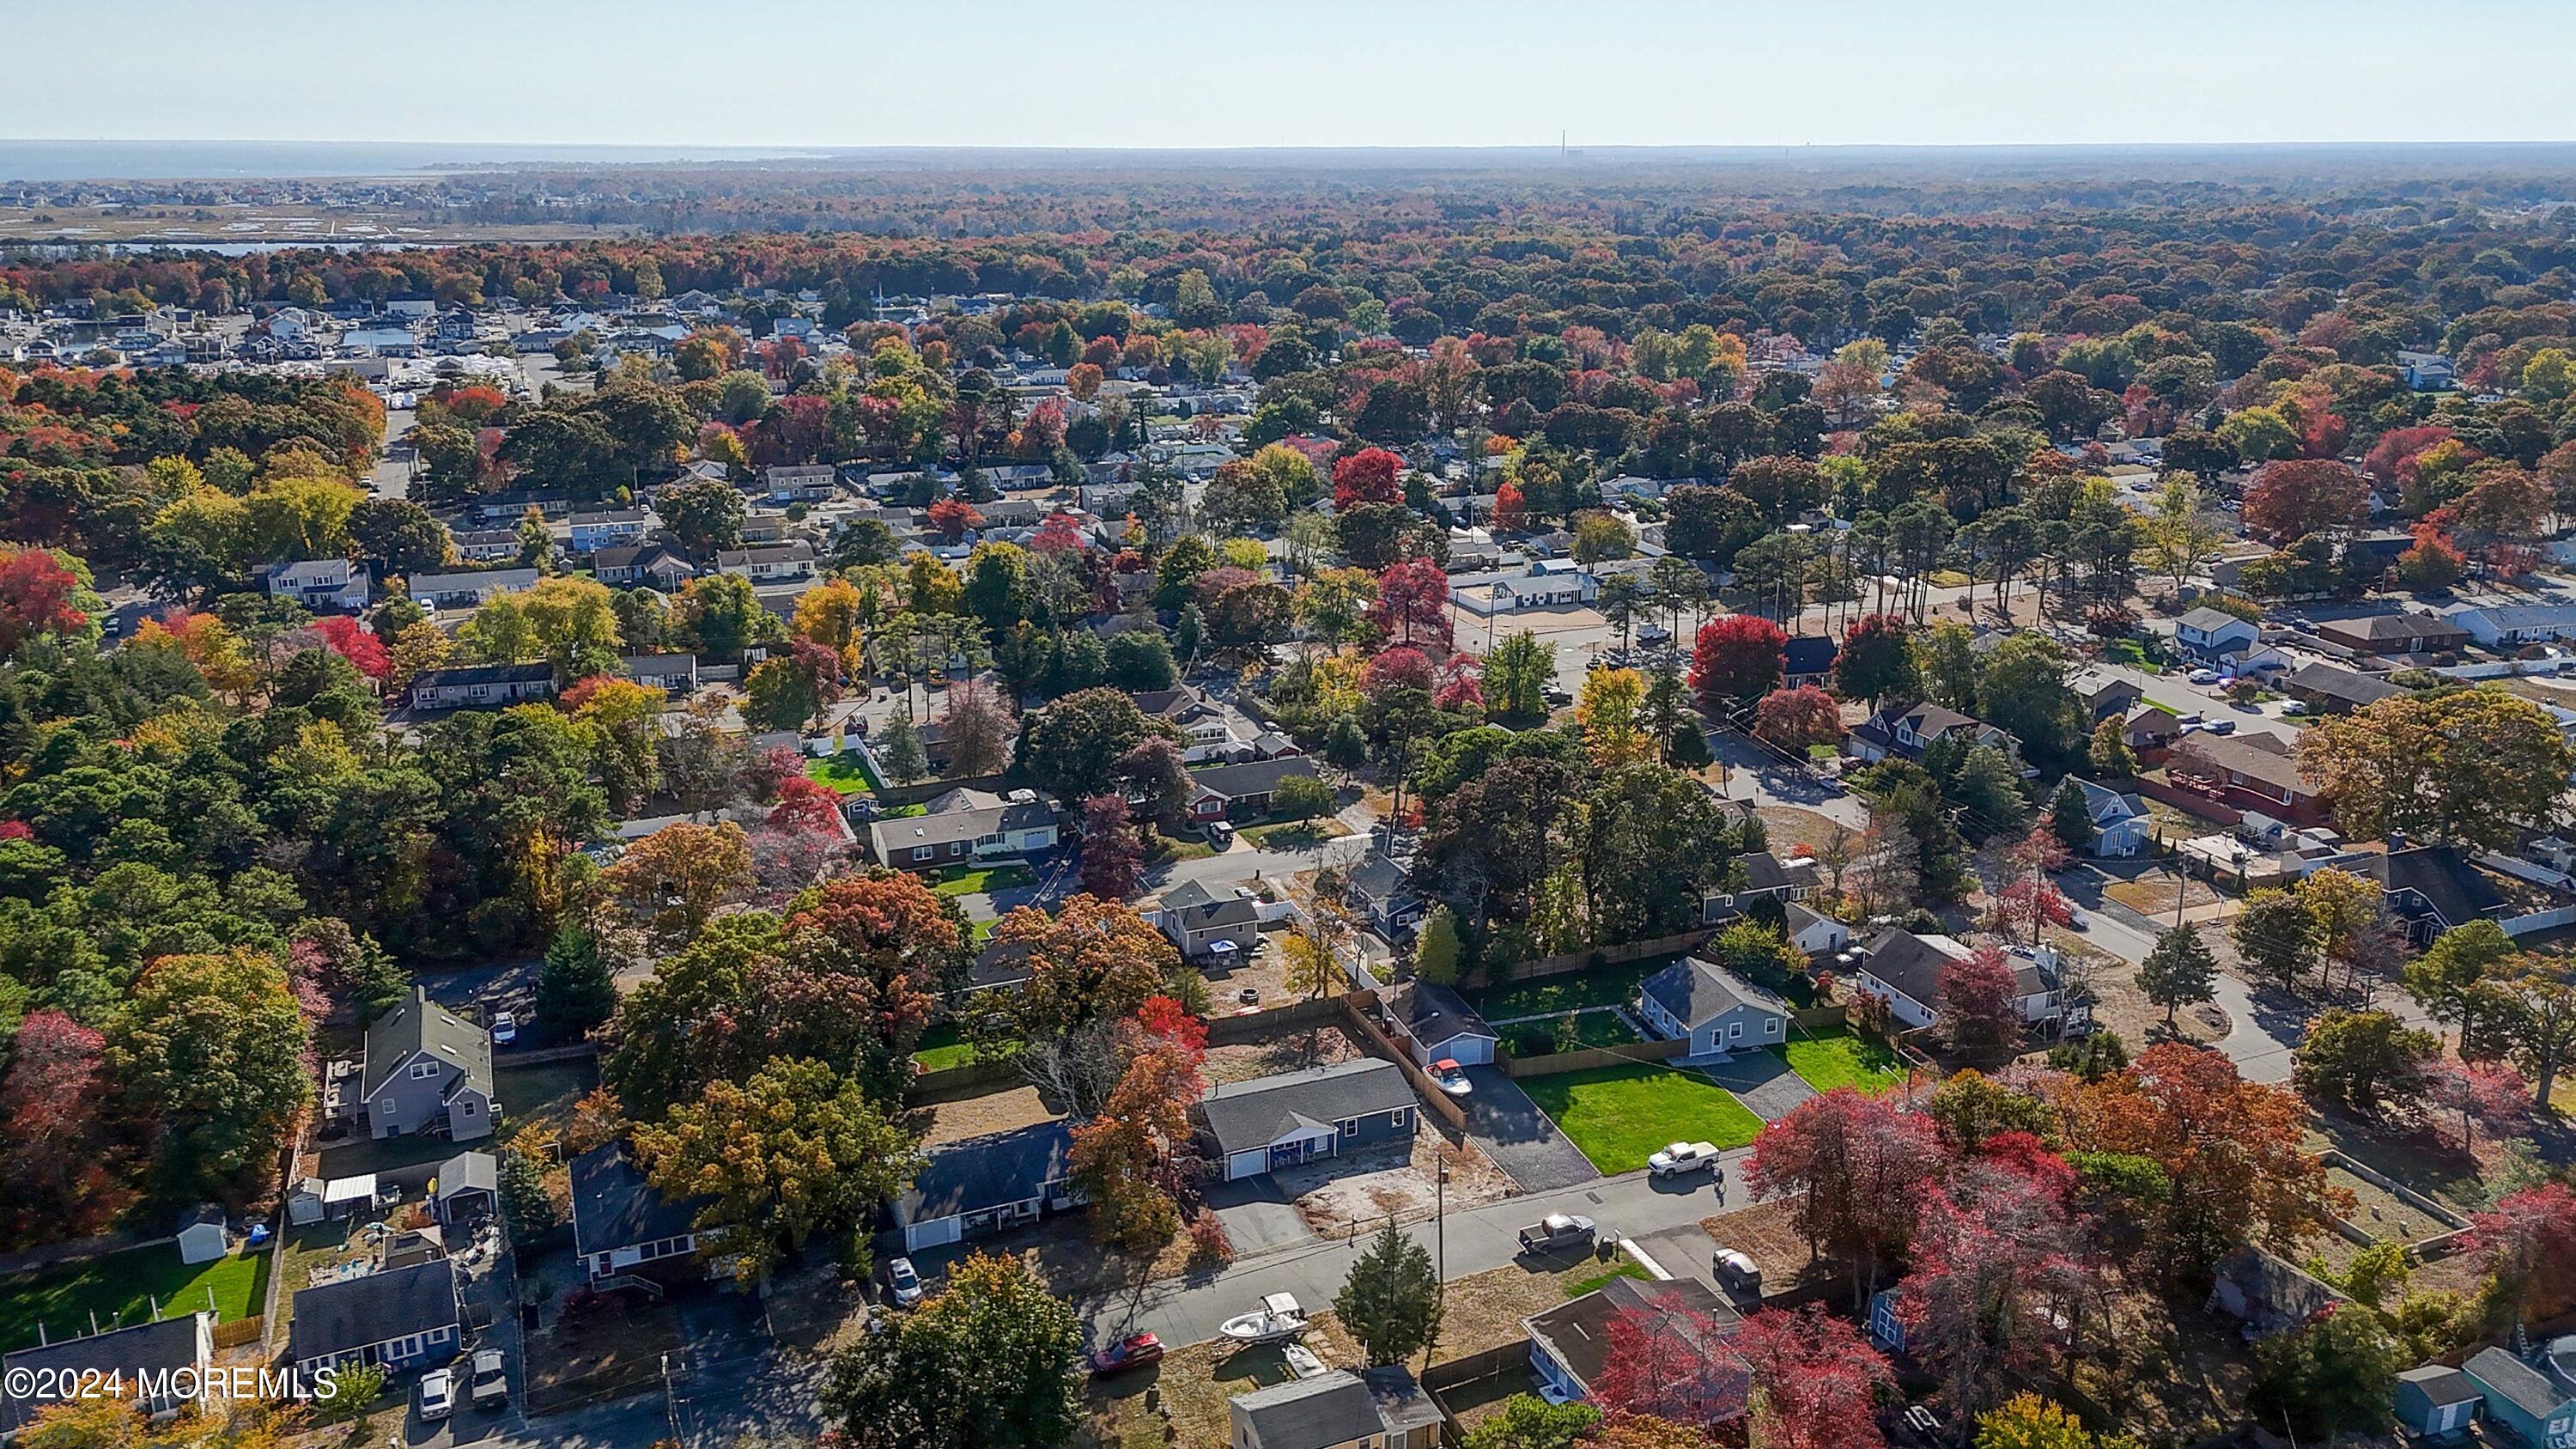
(1161, 849)
(1294, 834)
(539, 1099)
(1840, 1059)
(1620, 1116)
(1608, 986)
(1628, 1268)
(1574, 1029)
(123, 1288)
(983, 881)
(848, 773)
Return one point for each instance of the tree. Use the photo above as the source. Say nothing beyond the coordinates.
(1798, 719)
(2180, 536)
(703, 515)
(987, 1364)
(2179, 971)
(1607, 712)
(674, 878)
(1980, 1007)
(1670, 1362)
(2027, 1421)
(899, 749)
(1527, 1421)
(1130, 1160)
(1736, 659)
(978, 730)
(795, 1151)
(1070, 747)
(1995, 1259)
(1437, 948)
(1094, 960)
(1113, 858)
(785, 692)
(209, 1051)
(1365, 477)
(2539, 1007)
(2070, 816)
(2526, 1244)
(1874, 661)
(576, 989)
(2276, 935)
(2488, 1094)
(52, 1146)
(2362, 1059)
(521, 1177)
(1390, 1303)
(1303, 797)
(2109, 754)
(1413, 605)
(2473, 768)
(2291, 499)
(1816, 1381)
(2332, 1374)
(1141, 660)
(1516, 675)
(1860, 1162)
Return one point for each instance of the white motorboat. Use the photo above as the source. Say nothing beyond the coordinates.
(1278, 1320)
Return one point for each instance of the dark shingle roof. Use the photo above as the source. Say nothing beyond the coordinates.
(613, 1207)
(1910, 963)
(1696, 991)
(168, 1343)
(1316, 1413)
(1809, 654)
(354, 1312)
(1764, 871)
(1246, 1115)
(2343, 684)
(422, 1025)
(988, 1172)
(483, 674)
(2447, 882)
(1434, 1013)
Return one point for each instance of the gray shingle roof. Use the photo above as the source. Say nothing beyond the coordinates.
(1245, 1115)
(355, 1312)
(988, 1172)
(1697, 991)
(1435, 1014)
(1912, 964)
(1317, 1413)
(422, 1025)
(1577, 1334)
(614, 1207)
(168, 1343)
(1259, 777)
(2527, 1388)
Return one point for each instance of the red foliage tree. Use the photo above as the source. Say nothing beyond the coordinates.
(1113, 859)
(50, 1147)
(1511, 511)
(2289, 500)
(1977, 1001)
(1413, 604)
(1400, 668)
(2528, 1241)
(806, 804)
(1994, 1260)
(1460, 686)
(1859, 1162)
(2396, 448)
(1674, 1363)
(1367, 476)
(1793, 719)
(1819, 1379)
(954, 516)
(354, 642)
(1736, 658)
(36, 598)
(2488, 1094)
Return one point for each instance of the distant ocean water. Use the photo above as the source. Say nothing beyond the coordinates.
(217, 160)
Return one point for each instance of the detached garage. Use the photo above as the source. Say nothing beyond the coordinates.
(1437, 1023)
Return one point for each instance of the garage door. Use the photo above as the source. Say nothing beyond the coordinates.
(932, 1234)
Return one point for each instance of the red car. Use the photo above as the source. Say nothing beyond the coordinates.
(1134, 1351)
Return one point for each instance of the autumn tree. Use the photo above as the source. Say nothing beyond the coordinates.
(1672, 1362)
(208, 1054)
(1980, 1005)
(1132, 1159)
(674, 879)
(1093, 960)
(1817, 1382)
(2293, 498)
(1736, 659)
(1365, 477)
(2474, 768)
(989, 1363)
(2027, 1421)
(1608, 711)
(1412, 605)
(1997, 1262)
(2526, 1245)
(1875, 660)
(1798, 719)
(53, 1148)
(1113, 858)
(1860, 1162)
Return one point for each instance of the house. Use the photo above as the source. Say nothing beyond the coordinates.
(2121, 822)
(2252, 769)
(1809, 659)
(644, 565)
(2511, 626)
(203, 1234)
(963, 824)
(1907, 730)
(1382, 887)
(2215, 634)
(2436, 1402)
(2149, 726)
(426, 1070)
(621, 1225)
(2426, 371)
(156, 1366)
(2432, 888)
(1379, 1408)
(1437, 1024)
(801, 482)
(2403, 632)
(673, 674)
(482, 684)
(2534, 1406)
(462, 590)
(2104, 693)
(773, 564)
(1766, 878)
(2332, 689)
(2268, 1294)
(1293, 1117)
(987, 1184)
(1716, 1010)
(321, 584)
(592, 532)
(486, 545)
(1570, 1343)
(1817, 935)
(1907, 970)
(1236, 791)
(468, 1186)
(1206, 922)
(399, 1318)
(1207, 730)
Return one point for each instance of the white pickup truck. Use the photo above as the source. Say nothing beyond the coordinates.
(1681, 1157)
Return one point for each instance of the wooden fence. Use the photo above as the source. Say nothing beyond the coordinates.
(1586, 960)
(1359, 1013)
(948, 1084)
(240, 1331)
(1584, 1059)
(1277, 1021)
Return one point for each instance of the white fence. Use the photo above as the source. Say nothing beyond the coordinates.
(2539, 921)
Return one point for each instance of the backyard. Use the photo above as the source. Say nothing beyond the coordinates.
(1840, 1059)
(1549, 995)
(848, 773)
(1620, 1116)
(1597, 1028)
(943, 1046)
(125, 1288)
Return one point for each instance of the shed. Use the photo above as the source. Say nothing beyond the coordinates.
(468, 1187)
(2435, 1402)
(202, 1235)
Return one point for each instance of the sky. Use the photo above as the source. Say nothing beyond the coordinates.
(1337, 73)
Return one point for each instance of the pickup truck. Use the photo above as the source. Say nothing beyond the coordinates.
(1681, 1157)
(1557, 1231)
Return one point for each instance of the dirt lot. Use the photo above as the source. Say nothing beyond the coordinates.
(1768, 1233)
(1391, 1179)
(1241, 1063)
(1790, 825)
(2152, 892)
(2177, 1373)
(2123, 1008)
(1002, 1111)
(1266, 973)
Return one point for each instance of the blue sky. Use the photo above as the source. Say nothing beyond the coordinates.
(1310, 73)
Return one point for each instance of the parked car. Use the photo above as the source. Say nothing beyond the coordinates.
(2203, 676)
(904, 1281)
(505, 1027)
(1653, 634)
(2221, 726)
(491, 1384)
(1451, 1077)
(1557, 1231)
(1681, 1157)
(1220, 834)
(2295, 707)
(1134, 1351)
(437, 1394)
(1556, 698)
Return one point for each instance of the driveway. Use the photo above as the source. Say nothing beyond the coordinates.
(1762, 1081)
(1258, 1215)
(1519, 1137)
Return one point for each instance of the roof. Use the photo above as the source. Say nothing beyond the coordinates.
(2099, 800)
(1809, 654)
(1401, 1401)
(469, 1172)
(1697, 991)
(2213, 621)
(472, 581)
(2456, 890)
(2518, 1383)
(2339, 683)
(1317, 1413)
(1258, 777)
(798, 552)
(2260, 757)
(166, 1343)
(2402, 627)
(1201, 907)
(2093, 682)
(1577, 1334)
(2440, 1384)
(1764, 871)
(482, 674)
(341, 1317)
(2275, 1284)
(987, 1172)
(1245, 1115)
(1433, 1013)
(1380, 878)
(421, 1025)
(614, 1207)
(1913, 964)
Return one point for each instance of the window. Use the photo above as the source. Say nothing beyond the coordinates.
(924, 852)
(424, 1069)
(1401, 1115)
(469, 1106)
(1771, 1027)
(1351, 1128)
(1734, 1029)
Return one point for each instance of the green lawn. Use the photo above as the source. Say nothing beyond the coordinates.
(1294, 834)
(539, 1098)
(1620, 1116)
(1628, 1268)
(1840, 1059)
(1585, 1028)
(970, 882)
(848, 773)
(1161, 849)
(943, 1047)
(1609, 986)
(121, 1288)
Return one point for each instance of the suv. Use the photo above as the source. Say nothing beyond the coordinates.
(437, 1394)
(491, 1384)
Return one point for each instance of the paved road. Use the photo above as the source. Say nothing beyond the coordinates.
(1511, 1129)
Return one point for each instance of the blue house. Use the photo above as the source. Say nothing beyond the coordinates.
(1569, 1345)
(1294, 1117)
(2537, 1406)
(2435, 1402)
(987, 1185)
(400, 1318)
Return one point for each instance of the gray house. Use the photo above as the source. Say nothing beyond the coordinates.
(1766, 878)
(426, 1070)
(1717, 1010)
(986, 1185)
(1204, 922)
(620, 1225)
(476, 685)
(1294, 1117)
(1379, 1408)
(400, 1318)
(146, 1355)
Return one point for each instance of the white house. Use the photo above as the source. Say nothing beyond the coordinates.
(592, 532)
(1817, 935)
(1907, 969)
(1717, 1010)
(2215, 634)
(778, 563)
(2512, 626)
(202, 1235)
(321, 584)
